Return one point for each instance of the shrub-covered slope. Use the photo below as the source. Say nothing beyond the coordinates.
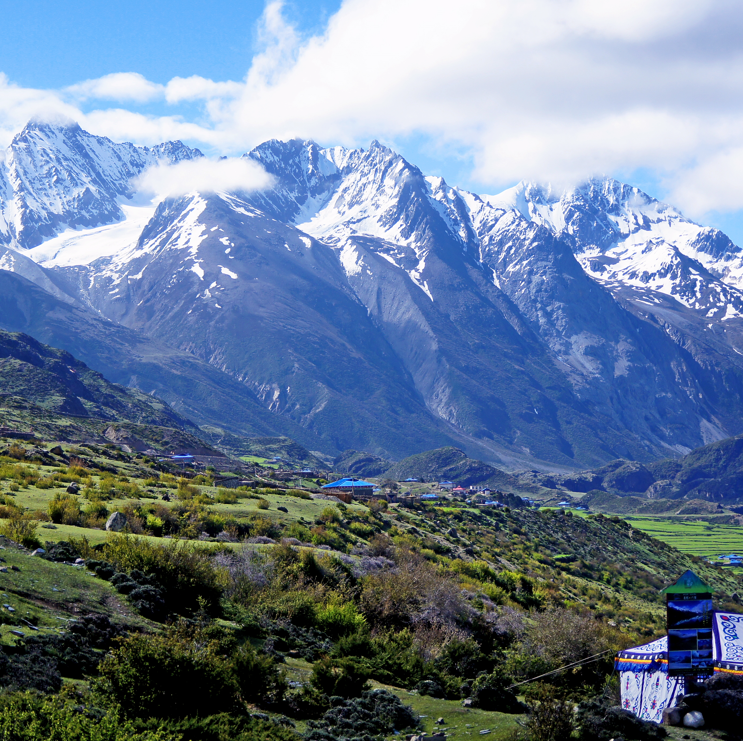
(269, 599)
(56, 381)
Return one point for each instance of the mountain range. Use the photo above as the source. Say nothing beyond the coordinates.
(358, 304)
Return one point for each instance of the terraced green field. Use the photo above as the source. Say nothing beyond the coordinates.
(695, 537)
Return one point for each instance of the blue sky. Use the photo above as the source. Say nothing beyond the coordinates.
(55, 44)
(483, 93)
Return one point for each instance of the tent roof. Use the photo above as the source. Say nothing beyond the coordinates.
(651, 656)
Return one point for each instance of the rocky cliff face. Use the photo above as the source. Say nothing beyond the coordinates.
(381, 310)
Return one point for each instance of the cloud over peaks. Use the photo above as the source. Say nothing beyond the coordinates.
(203, 175)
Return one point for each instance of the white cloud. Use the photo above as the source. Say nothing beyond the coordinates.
(119, 86)
(199, 88)
(121, 124)
(716, 184)
(538, 89)
(19, 105)
(203, 175)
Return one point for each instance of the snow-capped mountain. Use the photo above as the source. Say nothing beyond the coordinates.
(54, 177)
(376, 308)
(624, 238)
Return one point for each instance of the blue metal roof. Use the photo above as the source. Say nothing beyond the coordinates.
(347, 483)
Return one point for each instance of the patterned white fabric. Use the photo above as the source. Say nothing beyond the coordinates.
(659, 692)
(647, 694)
(728, 639)
(632, 691)
(654, 647)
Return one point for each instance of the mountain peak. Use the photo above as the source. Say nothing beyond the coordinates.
(60, 122)
(61, 176)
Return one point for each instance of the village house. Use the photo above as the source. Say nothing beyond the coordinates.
(351, 488)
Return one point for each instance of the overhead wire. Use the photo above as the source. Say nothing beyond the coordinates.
(587, 660)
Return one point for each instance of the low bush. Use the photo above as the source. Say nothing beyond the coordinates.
(377, 713)
(549, 718)
(74, 653)
(61, 552)
(65, 509)
(224, 726)
(29, 717)
(490, 692)
(598, 720)
(336, 676)
(186, 672)
(389, 657)
(183, 572)
(22, 670)
(298, 493)
(339, 619)
(21, 531)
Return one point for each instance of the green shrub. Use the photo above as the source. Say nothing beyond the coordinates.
(298, 531)
(28, 717)
(154, 524)
(183, 571)
(549, 718)
(342, 677)
(224, 726)
(361, 529)
(95, 514)
(21, 531)
(339, 619)
(65, 509)
(297, 606)
(298, 493)
(185, 672)
(490, 692)
(263, 504)
(330, 515)
(225, 496)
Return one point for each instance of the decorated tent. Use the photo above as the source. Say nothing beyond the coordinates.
(646, 686)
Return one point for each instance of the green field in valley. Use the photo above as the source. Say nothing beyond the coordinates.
(696, 537)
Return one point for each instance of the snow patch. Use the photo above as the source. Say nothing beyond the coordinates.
(83, 246)
(350, 260)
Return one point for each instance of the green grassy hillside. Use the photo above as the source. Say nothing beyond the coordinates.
(314, 600)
